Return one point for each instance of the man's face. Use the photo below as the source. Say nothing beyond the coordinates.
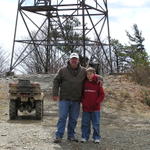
(74, 62)
(90, 75)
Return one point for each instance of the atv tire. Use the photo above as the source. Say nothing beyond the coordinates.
(38, 109)
(13, 111)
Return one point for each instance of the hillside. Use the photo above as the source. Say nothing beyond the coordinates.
(125, 96)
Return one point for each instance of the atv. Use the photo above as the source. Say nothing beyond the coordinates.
(25, 96)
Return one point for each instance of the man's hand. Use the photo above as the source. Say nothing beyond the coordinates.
(55, 98)
(99, 80)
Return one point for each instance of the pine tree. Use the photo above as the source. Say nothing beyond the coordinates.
(136, 50)
(139, 58)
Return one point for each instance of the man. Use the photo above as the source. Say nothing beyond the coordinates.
(67, 87)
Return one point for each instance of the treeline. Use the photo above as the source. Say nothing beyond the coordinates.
(48, 59)
(129, 58)
(132, 58)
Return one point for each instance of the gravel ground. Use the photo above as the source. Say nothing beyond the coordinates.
(119, 130)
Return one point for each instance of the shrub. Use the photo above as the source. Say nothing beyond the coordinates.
(141, 75)
(146, 97)
(147, 101)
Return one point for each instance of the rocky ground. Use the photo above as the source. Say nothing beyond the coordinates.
(125, 119)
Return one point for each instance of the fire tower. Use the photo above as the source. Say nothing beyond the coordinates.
(42, 24)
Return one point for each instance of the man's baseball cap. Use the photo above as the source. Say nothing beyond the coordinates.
(74, 55)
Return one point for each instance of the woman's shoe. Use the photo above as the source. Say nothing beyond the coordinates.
(83, 140)
(97, 141)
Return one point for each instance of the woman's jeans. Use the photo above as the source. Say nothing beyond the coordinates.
(87, 119)
(67, 109)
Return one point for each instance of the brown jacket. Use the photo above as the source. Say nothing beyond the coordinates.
(68, 83)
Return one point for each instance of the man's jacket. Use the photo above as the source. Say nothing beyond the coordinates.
(68, 83)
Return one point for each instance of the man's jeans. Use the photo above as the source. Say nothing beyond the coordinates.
(67, 109)
(87, 118)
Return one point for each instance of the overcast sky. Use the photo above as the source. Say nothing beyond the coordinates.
(122, 14)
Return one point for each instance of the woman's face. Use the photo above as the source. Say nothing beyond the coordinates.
(90, 75)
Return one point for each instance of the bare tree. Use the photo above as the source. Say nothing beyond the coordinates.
(3, 61)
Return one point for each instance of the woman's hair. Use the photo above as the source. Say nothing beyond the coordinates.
(90, 69)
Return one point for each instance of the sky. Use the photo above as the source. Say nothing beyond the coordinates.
(122, 15)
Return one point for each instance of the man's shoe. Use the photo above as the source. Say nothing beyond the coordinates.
(57, 140)
(72, 139)
(83, 140)
(97, 141)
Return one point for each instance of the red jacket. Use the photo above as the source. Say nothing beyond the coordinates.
(93, 95)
